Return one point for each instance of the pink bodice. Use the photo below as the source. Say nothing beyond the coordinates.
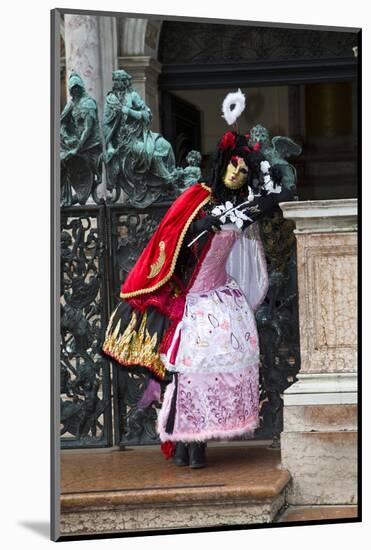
(212, 273)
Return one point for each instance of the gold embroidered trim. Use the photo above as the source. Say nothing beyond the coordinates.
(206, 187)
(108, 330)
(158, 264)
(175, 257)
(134, 347)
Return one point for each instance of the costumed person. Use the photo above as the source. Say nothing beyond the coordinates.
(187, 308)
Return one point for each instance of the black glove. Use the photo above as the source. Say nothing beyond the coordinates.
(205, 224)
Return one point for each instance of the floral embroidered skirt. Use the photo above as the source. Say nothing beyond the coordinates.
(214, 393)
(217, 406)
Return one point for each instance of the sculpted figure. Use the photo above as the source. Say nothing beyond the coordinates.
(276, 151)
(190, 174)
(138, 161)
(80, 145)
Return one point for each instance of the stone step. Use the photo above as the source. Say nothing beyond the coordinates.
(314, 513)
(123, 491)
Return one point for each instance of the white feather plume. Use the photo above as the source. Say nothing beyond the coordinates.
(236, 99)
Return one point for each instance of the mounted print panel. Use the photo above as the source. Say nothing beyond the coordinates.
(205, 203)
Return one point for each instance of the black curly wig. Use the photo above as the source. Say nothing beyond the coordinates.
(233, 144)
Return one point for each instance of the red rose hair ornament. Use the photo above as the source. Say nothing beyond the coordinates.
(228, 141)
(255, 147)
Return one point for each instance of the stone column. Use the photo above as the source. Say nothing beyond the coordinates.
(108, 51)
(83, 53)
(138, 40)
(319, 440)
(145, 71)
(91, 51)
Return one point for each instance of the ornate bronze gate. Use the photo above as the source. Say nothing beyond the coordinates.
(85, 373)
(100, 245)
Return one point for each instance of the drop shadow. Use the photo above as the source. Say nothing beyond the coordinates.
(42, 528)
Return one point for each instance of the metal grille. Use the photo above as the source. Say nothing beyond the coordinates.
(278, 324)
(129, 231)
(100, 245)
(85, 373)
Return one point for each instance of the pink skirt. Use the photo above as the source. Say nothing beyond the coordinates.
(210, 405)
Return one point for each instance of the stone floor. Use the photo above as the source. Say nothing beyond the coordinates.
(248, 471)
(119, 491)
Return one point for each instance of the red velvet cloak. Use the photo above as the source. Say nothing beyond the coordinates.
(156, 264)
(153, 283)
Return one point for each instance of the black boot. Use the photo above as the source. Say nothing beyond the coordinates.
(197, 454)
(181, 456)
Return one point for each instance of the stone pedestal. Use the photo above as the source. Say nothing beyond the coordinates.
(319, 441)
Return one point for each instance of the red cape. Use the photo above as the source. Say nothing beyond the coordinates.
(156, 264)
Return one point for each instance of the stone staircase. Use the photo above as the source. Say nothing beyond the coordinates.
(112, 491)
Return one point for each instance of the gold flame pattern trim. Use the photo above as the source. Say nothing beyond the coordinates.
(108, 330)
(176, 253)
(157, 265)
(133, 347)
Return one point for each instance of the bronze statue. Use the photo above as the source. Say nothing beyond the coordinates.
(80, 146)
(277, 150)
(190, 174)
(138, 161)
